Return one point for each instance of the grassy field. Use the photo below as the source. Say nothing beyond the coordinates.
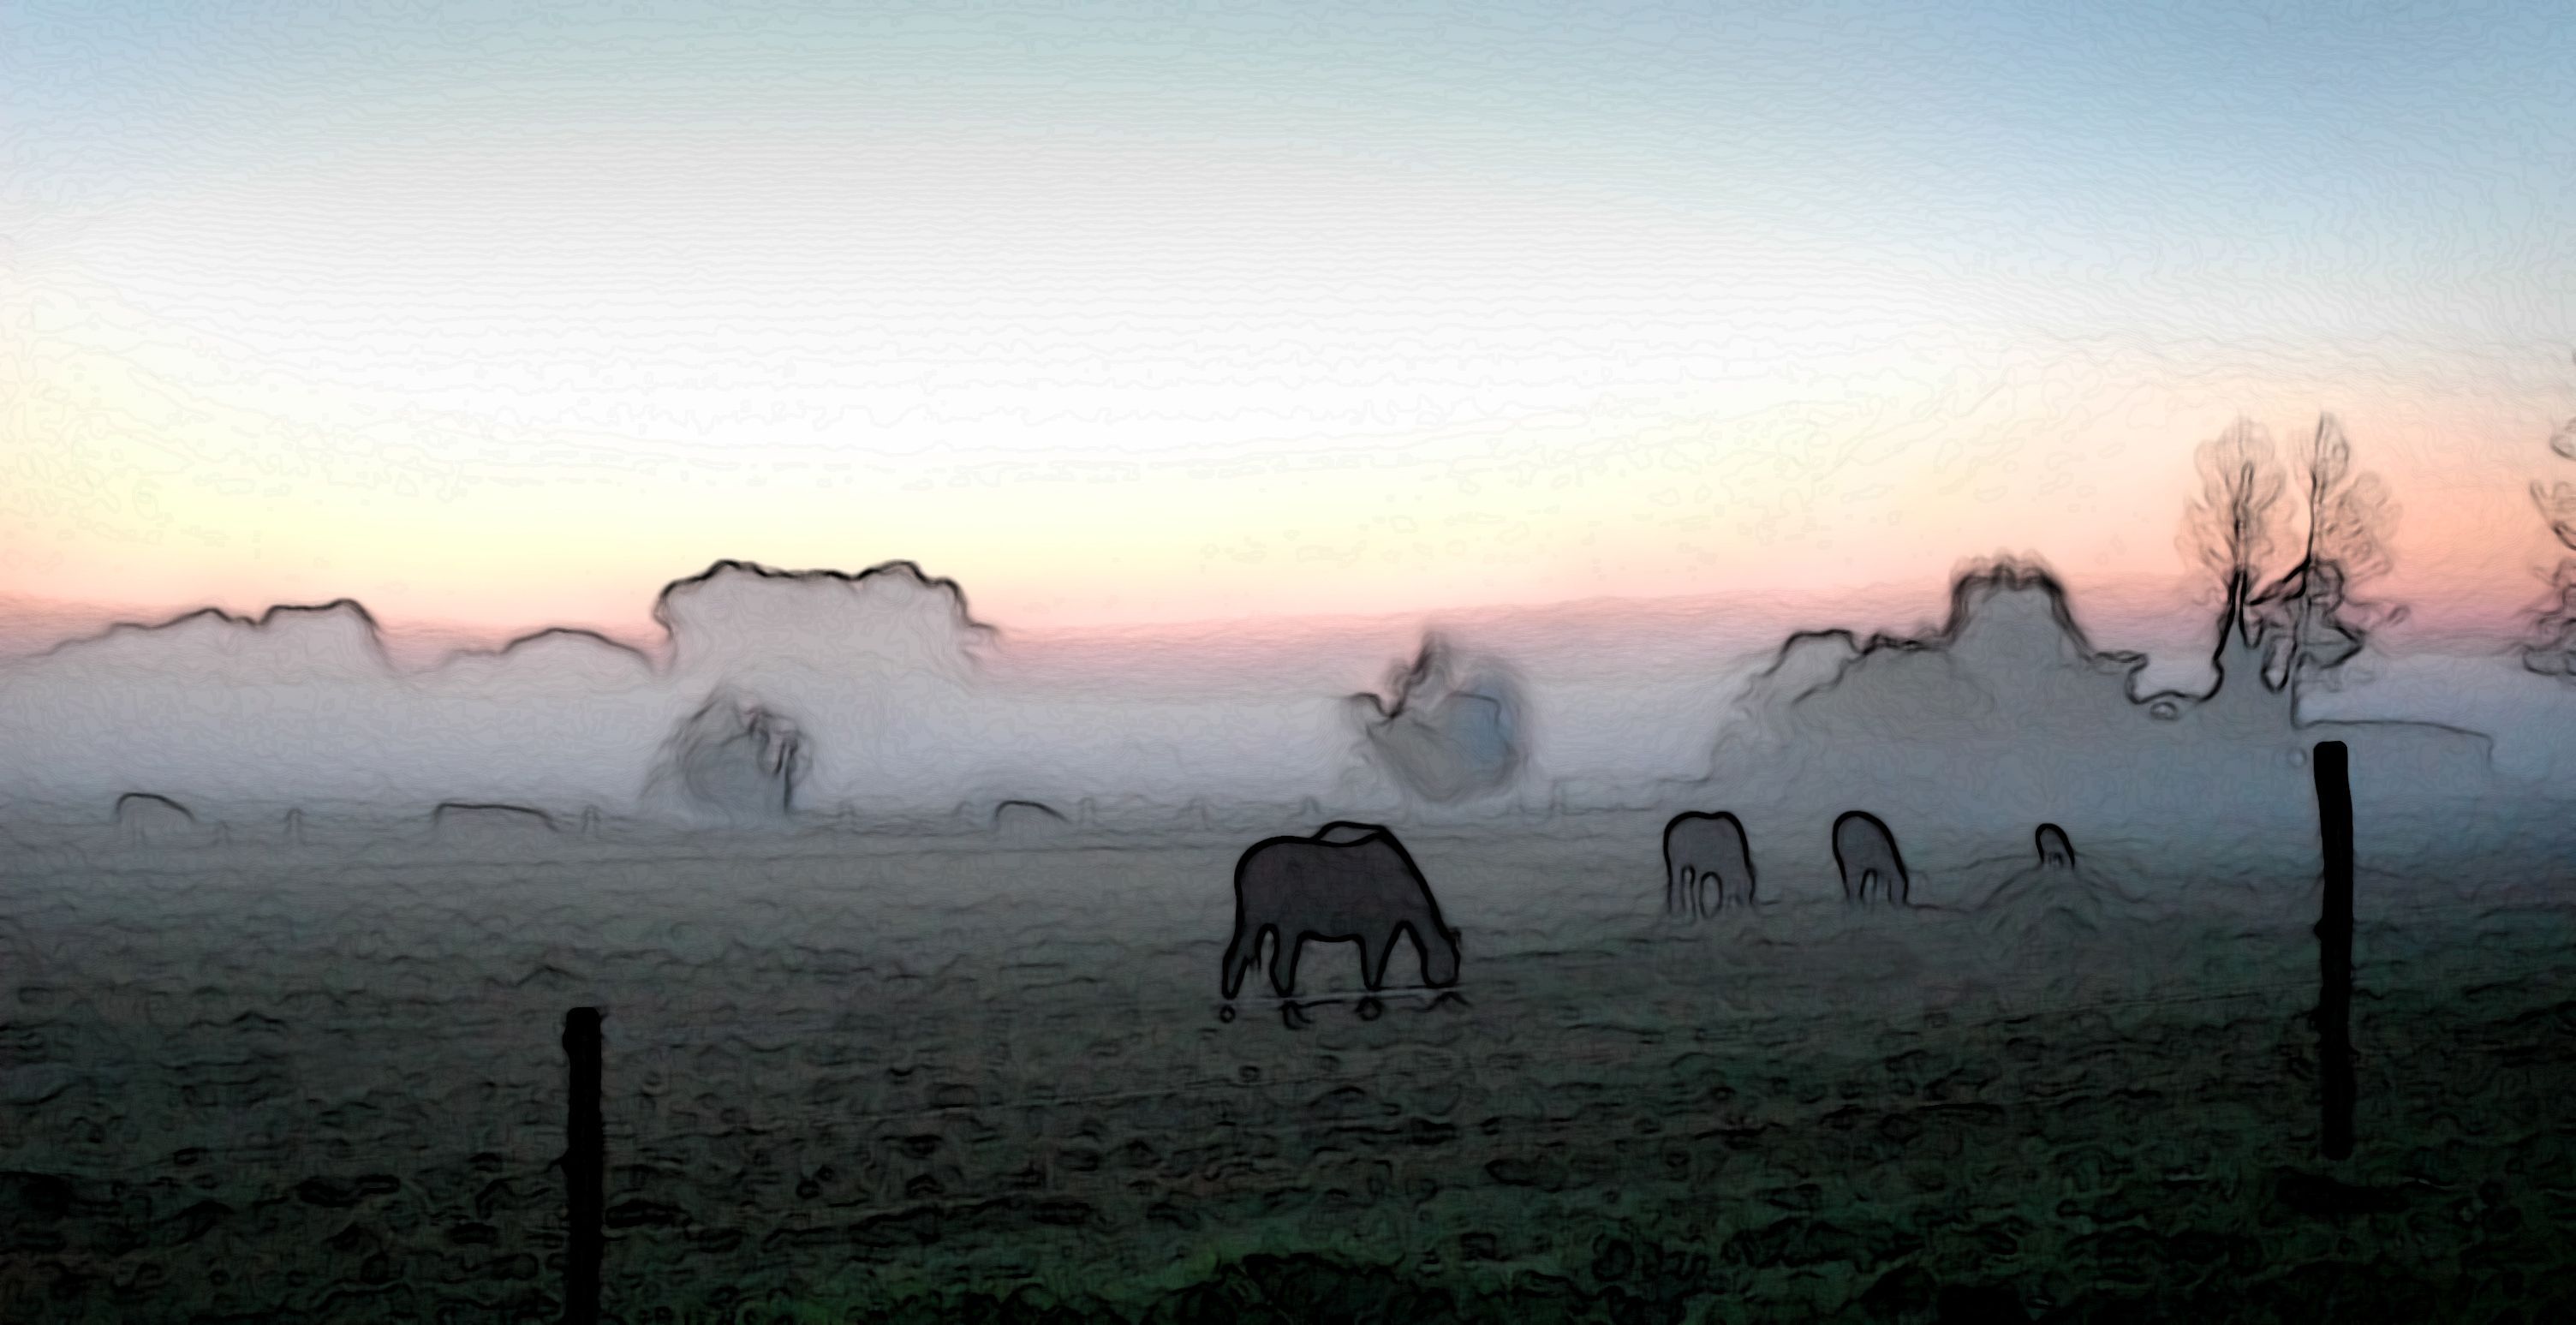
(883, 1080)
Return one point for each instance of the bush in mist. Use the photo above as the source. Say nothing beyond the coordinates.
(301, 706)
(733, 758)
(880, 670)
(878, 676)
(1446, 741)
(752, 622)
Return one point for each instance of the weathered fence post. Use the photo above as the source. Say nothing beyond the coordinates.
(2334, 945)
(583, 1175)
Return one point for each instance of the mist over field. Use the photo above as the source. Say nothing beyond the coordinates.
(904, 704)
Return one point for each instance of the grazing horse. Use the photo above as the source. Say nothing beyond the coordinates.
(2055, 852)
(1706, 863)
(1866, 851)
(1348, 883)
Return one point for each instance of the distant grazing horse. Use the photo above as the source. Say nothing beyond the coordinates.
(1028, 821)
(1866, 851)
(144, 819)
(471, 820)
(1347, 883)
(1706, 863)
(2055, 852)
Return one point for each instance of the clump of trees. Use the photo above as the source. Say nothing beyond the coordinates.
(734, 757)
(2306, 622)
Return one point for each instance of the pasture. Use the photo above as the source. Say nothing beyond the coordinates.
(870, 1077)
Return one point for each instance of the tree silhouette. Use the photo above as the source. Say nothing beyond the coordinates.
(2231, 528)
(2552, 651)
(2307, 622)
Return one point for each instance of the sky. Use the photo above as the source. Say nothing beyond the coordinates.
(501, 316)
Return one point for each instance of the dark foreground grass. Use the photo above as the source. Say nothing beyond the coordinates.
(293, 1120)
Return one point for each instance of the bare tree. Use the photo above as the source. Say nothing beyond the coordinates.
(2552, 651)
(2308, 622)
(2230, 530)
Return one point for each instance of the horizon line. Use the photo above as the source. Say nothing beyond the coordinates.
(423, 638)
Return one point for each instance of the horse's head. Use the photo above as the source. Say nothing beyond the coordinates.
(1440, 959)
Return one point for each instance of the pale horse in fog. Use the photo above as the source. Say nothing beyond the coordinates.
(2055, 852)
(1865, 852)
(1707, 863)
(1346, 883)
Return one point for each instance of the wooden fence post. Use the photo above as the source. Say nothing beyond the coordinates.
(583, 1177)
(2334, 945)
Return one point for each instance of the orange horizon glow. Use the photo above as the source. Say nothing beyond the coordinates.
(2167, 616)
(488, 358)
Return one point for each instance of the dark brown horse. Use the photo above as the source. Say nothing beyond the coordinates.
(1349, 883)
